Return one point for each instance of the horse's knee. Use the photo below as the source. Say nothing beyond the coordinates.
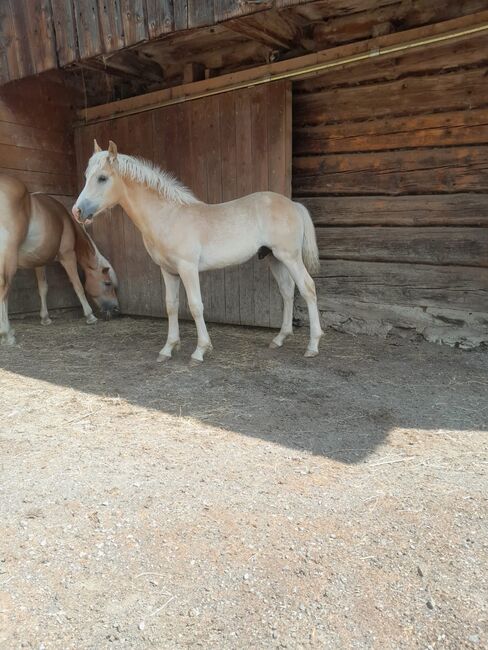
(196, 308)
(172, 307)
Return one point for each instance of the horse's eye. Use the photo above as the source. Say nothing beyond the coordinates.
(102, 179)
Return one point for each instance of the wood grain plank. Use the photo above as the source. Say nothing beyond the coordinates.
(420, 210)
(420, 171)
(160, 17)
(244, 165)
(216, 297)
(65, 31)
(458, 90)
(416, 285)
(440, 59)
(88, 28)
(134, 21)
(279, 168)
(465, 246)
(229, 191)
(260, 182)
(433, 130)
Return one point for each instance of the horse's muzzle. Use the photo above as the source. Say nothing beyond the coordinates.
(83, 213)
(110, 312)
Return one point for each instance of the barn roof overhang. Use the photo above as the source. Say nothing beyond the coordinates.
(118, 50)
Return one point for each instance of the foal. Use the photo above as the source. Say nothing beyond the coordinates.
(185, 236)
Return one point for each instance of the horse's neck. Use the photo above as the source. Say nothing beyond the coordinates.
(141, 204)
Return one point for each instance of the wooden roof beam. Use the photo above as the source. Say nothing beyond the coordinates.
(127, 64)
(269, 28)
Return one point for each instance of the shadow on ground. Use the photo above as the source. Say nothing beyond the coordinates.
(341, 405)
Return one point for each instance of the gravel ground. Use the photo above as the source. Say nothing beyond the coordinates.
(259, 501)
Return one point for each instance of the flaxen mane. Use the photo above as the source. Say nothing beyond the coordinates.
(150, 175)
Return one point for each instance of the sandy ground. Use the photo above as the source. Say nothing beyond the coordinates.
(259, 501)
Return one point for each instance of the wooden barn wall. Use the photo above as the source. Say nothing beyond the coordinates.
(221, 147)
(36, 146)
(391, 158)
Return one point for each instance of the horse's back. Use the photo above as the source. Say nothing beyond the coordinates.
(14, 212)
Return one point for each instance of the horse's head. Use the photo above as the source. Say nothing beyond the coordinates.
(103, 186)
(101, 286)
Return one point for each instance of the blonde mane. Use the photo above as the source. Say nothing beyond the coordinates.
(150, 175)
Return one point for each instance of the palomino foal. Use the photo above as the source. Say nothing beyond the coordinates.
(185, 236)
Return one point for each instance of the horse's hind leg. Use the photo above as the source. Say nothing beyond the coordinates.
(42, 286)
(191, 282)
(286, 286)
(8, 266)
(68, 260)
(306, 287)
(172, 285)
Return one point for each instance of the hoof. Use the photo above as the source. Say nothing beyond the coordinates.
(8, 339)
(91, 319)
(163, 357)
(46, 321)
(195, 362)
(273, 345)
(311, 353)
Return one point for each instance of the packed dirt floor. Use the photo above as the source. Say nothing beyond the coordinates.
(262, 500)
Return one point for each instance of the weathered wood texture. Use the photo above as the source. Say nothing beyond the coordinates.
(36, 146)
(39, 35)
(221, 147)
(391, 159)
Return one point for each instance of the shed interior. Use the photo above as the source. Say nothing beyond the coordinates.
(388, 151)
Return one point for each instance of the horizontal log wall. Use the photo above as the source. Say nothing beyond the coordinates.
(391, 159)
(36, 146)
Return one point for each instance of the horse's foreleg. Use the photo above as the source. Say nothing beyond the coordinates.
(42, 287)
(68, 260)
(8, 266)
(191, 282)
(172, 286)
(306, 287)
(287, 289)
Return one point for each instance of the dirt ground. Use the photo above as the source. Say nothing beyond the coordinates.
(259, 501)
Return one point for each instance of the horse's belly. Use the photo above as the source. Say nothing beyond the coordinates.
(40, 246)
(218, 257)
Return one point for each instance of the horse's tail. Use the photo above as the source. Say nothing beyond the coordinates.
(310, 251)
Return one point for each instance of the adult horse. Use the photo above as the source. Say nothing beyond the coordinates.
(35, 229)
(185, 236)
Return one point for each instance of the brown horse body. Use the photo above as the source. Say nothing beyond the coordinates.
(35, 229)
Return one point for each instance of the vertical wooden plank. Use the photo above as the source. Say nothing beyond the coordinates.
(244, 175)
(111, 26)
(160, 17)
(64, 28)
(200, 13)
(144, 276)
(279, 166)
(216, 297)
(229, 192)
(41, 33)
(9, 64)
(88, 28)
(259, 137)
(22, 40)
(134, 21)
(180, 14)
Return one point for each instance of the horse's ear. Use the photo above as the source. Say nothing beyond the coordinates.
(96, 146)
(112, 151)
